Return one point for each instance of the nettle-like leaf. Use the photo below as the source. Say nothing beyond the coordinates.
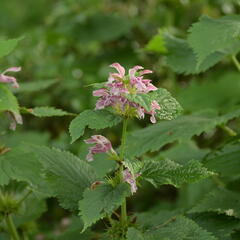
(214, 35)
(169, 107)
(35, 85)
(221, 201)
(226, 161)
(98, 203)
(134, 234)
(67, 175)
(220, 225)
(182, 59)
(94, 119)
(8, 101)
(7, 46)
(178, 229)
(180, 129)
(157, 43)
(169, 172)
(47, 112)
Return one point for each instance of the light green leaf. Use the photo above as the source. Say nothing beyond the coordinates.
(48, 112)
(94, 119)
(168, 172)
(157, 43)
(213, 35)
(183, 128)
(221, 201)
(67, 175)
(8, 101)
(169, 107)
(99, 202)
(7, 46)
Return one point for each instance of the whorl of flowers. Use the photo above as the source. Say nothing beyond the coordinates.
(120, 85)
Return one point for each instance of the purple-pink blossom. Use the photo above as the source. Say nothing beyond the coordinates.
(130, 179)
(119, 85)
(8, 79)
(102, 145)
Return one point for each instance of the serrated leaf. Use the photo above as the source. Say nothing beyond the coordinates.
(94, 119)
(182, 59)
(168, 172)
(47, 112)
(180, 129)
(7, 46)
(35, 85)
(213, 35)
(99, 202)
(221, 226)
(226, 161)
(179, 229)
(67, 175)
(221, 201)
(169, 107)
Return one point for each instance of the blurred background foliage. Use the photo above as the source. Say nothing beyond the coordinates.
(69, 44)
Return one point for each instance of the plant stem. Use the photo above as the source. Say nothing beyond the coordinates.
(236, 62)
(123, 141)
(11, 227)
(228, 130)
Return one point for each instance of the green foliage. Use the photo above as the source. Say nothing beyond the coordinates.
(94, 119)
(169, 107)
(181, 129)
(134, 234)
(67, 175)
(221, 201)
(168, 172)
(225, 161)
(47, 112)
(8, 101)
(100, 202)
(7, 46)
(214, 35)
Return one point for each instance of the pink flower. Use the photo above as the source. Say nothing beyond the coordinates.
(119, 86)
(8, 79)
(102, 145)
(154, 106)
(130, 179)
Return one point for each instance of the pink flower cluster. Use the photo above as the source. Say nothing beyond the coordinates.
(8, 79)
(119, 85)
(102, 145)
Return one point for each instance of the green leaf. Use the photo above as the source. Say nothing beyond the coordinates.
(8, 101)
(225, 88)
(35, 85)
(94, 119)
(7, 46)
(169, 107)
(48, 112)
(213, 35)
(221, 226)
(157, 43)
(226, 161)
(168, 172)
(182, 59)
(179, 229)
(134, 234)
(183, 128)
(99, 202)
(221, 201)
(67, 175)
